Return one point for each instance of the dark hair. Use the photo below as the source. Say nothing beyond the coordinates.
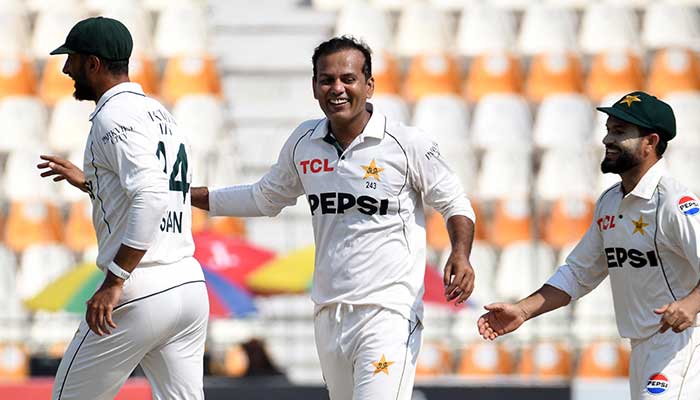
(661, 146)
(116, 67)
(340, 43)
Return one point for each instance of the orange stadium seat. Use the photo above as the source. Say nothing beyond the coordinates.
(553, 73)
(614, 72)
(434, 359)
(234, 362)
(673, 70)
(32, 223)
(200, 220)
(493, 73)
(387, 76)
(512, 222)
(17, 77)
(54, 83)
(568, 221)
(485, 359)
(14, 362)
(430, 74)
(227, 226)
(142, 70)
(545, 360)
(436, 230)
(80, 233)
(189, 75)
(603, 359)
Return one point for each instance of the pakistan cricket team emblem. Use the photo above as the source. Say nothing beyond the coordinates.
(371, 170)
(382, 366)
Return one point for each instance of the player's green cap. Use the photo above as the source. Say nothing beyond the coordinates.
(645, 110)
(103, 37)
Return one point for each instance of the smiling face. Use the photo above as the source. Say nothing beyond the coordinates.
(341, 88)
(625, 147)
(76, 67)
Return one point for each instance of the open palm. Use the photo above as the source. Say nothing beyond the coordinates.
(501, 318)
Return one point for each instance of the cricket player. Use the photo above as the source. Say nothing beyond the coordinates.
(365, 178)
(152, 307)
(644, 235)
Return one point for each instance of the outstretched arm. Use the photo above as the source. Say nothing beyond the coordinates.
(200, 197)
(503, 318)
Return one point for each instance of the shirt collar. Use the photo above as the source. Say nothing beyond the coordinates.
(647, 185)
(375, 126)
(114, 90)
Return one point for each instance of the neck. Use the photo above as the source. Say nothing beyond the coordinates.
(632, 176)
(109, 82)
(346, 133)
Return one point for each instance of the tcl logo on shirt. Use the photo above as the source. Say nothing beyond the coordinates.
(315, 166)
(606, 222)
(617, 257)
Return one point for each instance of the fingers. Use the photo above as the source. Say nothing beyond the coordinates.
(664, 327)
(683, 326)
(447, 276)
(662, 309)
(450, 292)
(494, 307)
(59, 178)
(108, 318)
(485, 330)
(92, 316)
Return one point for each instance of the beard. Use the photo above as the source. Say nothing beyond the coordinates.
(626, 159)
(83, 90)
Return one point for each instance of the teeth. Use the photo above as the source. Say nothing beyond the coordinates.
(338, 101)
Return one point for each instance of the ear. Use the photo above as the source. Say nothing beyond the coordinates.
(370, 87)
(653, 140)
(313, 86)
(93, 64)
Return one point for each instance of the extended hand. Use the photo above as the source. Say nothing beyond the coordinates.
(100, 306)
(63, 170)
(500, 319)
(458, 278)
(678, 316)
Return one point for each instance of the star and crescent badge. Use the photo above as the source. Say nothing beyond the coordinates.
(629, 99)
(382, 366)
(371, 170)
(639, 225)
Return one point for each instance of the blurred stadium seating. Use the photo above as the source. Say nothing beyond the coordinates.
(506, 86)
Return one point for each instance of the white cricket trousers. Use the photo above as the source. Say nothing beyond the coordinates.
(666, 366)
(367, 352)
(163, 330)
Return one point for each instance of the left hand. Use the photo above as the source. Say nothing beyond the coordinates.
(678, 316)
(458, 278)
(101, 304)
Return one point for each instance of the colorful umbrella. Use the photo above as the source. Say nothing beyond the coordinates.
(232, 258)
(227, 299)
(291, 273)
(70, 292)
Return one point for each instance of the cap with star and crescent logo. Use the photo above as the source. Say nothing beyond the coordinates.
(642, 109)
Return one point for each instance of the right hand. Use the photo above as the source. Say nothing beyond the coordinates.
(501, 318)
(63, 170)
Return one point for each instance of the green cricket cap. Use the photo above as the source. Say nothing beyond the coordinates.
(645, 110)
(104, 37)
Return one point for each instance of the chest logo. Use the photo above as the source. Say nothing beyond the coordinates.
(315, 166)
(371, 170)
(639, 225)
(606, 222)
(382, 365)
(688, 205)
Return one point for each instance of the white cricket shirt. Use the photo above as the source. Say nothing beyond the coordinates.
(647, 241)
(366, 204)
(137, 171)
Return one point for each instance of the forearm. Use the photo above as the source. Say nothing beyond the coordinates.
(545, 299)
(127, 258)
(234, 201)
(461, 232)
(200, 197)
(693, 298)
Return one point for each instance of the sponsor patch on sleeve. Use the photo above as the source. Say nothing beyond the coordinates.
(688, 205)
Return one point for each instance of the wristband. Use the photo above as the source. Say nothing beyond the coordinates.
(118, 271)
